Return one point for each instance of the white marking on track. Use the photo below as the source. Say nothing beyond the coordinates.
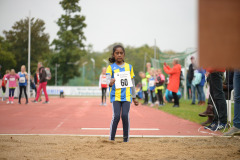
(132, 129)
(59, 125)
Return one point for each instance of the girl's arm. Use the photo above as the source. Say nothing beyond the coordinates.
(26, 76)
(99, 84)
(134, 92)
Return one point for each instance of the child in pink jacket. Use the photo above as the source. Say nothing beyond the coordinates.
(13, 81)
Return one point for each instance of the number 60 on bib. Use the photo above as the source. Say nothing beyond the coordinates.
(123, 80)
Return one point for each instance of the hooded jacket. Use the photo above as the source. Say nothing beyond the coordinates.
(174, 77)
(42, 75)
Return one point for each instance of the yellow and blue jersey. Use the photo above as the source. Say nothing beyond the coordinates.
(121, 94)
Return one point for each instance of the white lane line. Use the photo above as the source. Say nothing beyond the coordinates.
(134, 136)
(132, 129)
(59, 125)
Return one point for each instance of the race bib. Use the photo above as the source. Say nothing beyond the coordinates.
(144, 84)
(104, 80)
(12, 79)
(151, 83)
(123, 80)
(22, 79)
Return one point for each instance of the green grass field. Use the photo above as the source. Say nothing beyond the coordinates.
(186, 111)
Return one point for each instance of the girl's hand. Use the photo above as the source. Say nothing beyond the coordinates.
(112, 81)
(135, 101)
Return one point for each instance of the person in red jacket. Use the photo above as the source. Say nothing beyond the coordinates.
(174, 79)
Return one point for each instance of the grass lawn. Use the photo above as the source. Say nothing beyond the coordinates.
(186, 111)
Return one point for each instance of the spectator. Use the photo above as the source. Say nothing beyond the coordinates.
(4, 84)
(149, 67)
(168, 97)
(32, 85)
(160, 79)
(228, 84)
(174, 79)
(216, 91)
(152, 86)
(144, 87)
(42, 85)
(0, 74)
(188, 89)
(61, 93)
(37, 79)
(236, 120)
(190, 77)
(201, 94)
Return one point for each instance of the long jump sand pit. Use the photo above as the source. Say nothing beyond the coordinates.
(46, 147)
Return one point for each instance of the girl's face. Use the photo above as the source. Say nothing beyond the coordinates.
(159, 71)
(12, 72)
(119, 55)
(23, 69)
(104, 71)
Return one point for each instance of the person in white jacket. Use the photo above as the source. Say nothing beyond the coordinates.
(103, 85)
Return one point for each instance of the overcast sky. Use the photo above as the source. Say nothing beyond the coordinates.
(132, 22)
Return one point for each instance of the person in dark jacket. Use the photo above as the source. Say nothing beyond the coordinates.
(42, 85)
(190, 77)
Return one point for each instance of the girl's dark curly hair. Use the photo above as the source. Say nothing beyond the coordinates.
(112, 59)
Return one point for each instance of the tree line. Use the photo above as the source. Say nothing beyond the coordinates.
(68, 50)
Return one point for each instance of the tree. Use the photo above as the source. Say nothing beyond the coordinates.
(7, 59)
(69, 46)
(17, 37)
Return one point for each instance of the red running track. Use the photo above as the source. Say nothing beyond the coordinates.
(72, 115)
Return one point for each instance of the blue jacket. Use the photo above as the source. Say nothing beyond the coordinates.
(203, 72)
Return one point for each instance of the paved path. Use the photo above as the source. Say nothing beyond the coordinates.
(84, 116)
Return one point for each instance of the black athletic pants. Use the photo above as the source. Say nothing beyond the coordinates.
(104, 94)
(175, 97)
(25, 92)
(160, 96)
(120, 109)
(145, 97)
(216, 91)
(153, 98)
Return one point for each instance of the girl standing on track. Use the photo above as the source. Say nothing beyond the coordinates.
(23, 83)
(122, 91)
(13, 78)
(160, 79)
(42, 85)
(4, 80)
(103, 85)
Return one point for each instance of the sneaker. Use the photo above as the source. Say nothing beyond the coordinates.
(175, 105)
(46, 102)
(221, 126)
(34, 101)
(233, 131)
(26, 103)
(192, 103)
(101, 104)
(213, 124)
(11, 102)
(8, 102)
(105, 104)
(19, 102)
(152, 105)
